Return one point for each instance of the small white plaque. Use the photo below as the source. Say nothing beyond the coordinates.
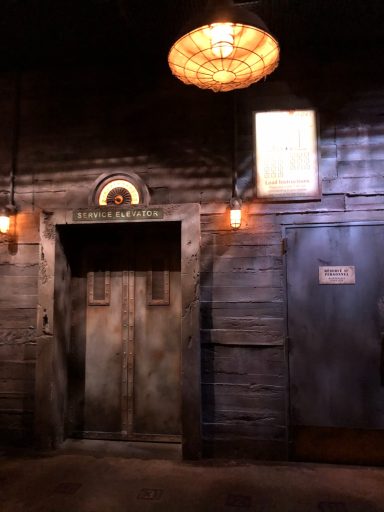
(337, 275)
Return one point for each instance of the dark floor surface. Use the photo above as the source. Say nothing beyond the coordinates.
(97, 476)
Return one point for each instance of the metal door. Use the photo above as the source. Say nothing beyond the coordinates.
(124, 369)
(336, 332)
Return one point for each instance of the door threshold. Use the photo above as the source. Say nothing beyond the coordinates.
(336, 445)
(125, 449)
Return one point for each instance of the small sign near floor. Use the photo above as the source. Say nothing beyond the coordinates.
(337, 275)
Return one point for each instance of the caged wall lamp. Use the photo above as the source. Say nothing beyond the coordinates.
(226, 47)
(5, 218)
(235, 212)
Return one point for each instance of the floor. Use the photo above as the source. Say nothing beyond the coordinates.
(93, 476)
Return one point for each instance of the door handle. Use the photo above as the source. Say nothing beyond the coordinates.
(382, 360)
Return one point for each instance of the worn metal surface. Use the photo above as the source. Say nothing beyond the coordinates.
(157, 341)
(132, 347)
(103, 372)
(335, 330)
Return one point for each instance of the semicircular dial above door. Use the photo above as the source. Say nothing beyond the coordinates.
(119, 190)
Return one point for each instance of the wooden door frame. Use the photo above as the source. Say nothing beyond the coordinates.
(53, 332)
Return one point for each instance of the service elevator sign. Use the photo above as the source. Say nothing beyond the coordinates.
(337, 275)
(105, 214)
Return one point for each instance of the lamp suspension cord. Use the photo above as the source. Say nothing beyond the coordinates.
(15, 137)
(234, 149)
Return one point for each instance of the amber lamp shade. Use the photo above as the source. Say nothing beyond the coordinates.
(226, 48)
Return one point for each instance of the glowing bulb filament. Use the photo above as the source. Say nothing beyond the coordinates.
(222, 39)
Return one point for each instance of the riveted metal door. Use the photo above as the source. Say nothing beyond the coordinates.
(125, 347)
(335, 294)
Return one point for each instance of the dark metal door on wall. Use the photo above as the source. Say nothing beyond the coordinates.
(335, 296)
(124, 367)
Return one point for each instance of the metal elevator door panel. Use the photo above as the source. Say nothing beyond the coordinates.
(336, 338)
(124, 371)
(103, 355)
(157, 404)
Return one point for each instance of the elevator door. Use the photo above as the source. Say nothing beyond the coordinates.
(124, 368)
(336, 337)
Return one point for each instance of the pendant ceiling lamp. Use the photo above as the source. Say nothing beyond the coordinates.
(226, 47)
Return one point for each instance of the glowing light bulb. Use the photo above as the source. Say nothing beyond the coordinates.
(222, 39)
(235, 219)
(4, 223)
(235, 212)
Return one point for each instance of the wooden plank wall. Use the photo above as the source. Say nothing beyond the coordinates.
(18, 304)
(74, 128)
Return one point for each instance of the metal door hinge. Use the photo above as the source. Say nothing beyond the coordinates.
(284, 246)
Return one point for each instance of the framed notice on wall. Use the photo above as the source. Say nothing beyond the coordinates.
(286, 160)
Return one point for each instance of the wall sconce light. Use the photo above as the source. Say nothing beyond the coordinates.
(226, 47)
(5, 218)
(235, 212)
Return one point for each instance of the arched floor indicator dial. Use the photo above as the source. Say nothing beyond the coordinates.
(119, 192)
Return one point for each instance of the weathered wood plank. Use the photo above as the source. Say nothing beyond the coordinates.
(14, 401)
(11, 420)
(262, 417)
(364, 133)
(234, 337)
(247, 239)
(17, 370)
(13, 385)
(351, 216)
(362, 185)
(18, 301)
(247, 251)
(246, 363)
(214, 310)
(242, 323)
(215, 208)
(354, 203)
(45, 200)
(360, 169)
(325, 204)
(9, 269)
(19, 285)
(17, 351)
(217, 222)
(240, 294)
(17, 318)
(240, 397)
(267, 278)
(361, 151)
(26, 254)
(216, 191)
(327, 168)
(327, 133)
(240, 264)
(27, 227)
(244, 429)
(328, 151)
